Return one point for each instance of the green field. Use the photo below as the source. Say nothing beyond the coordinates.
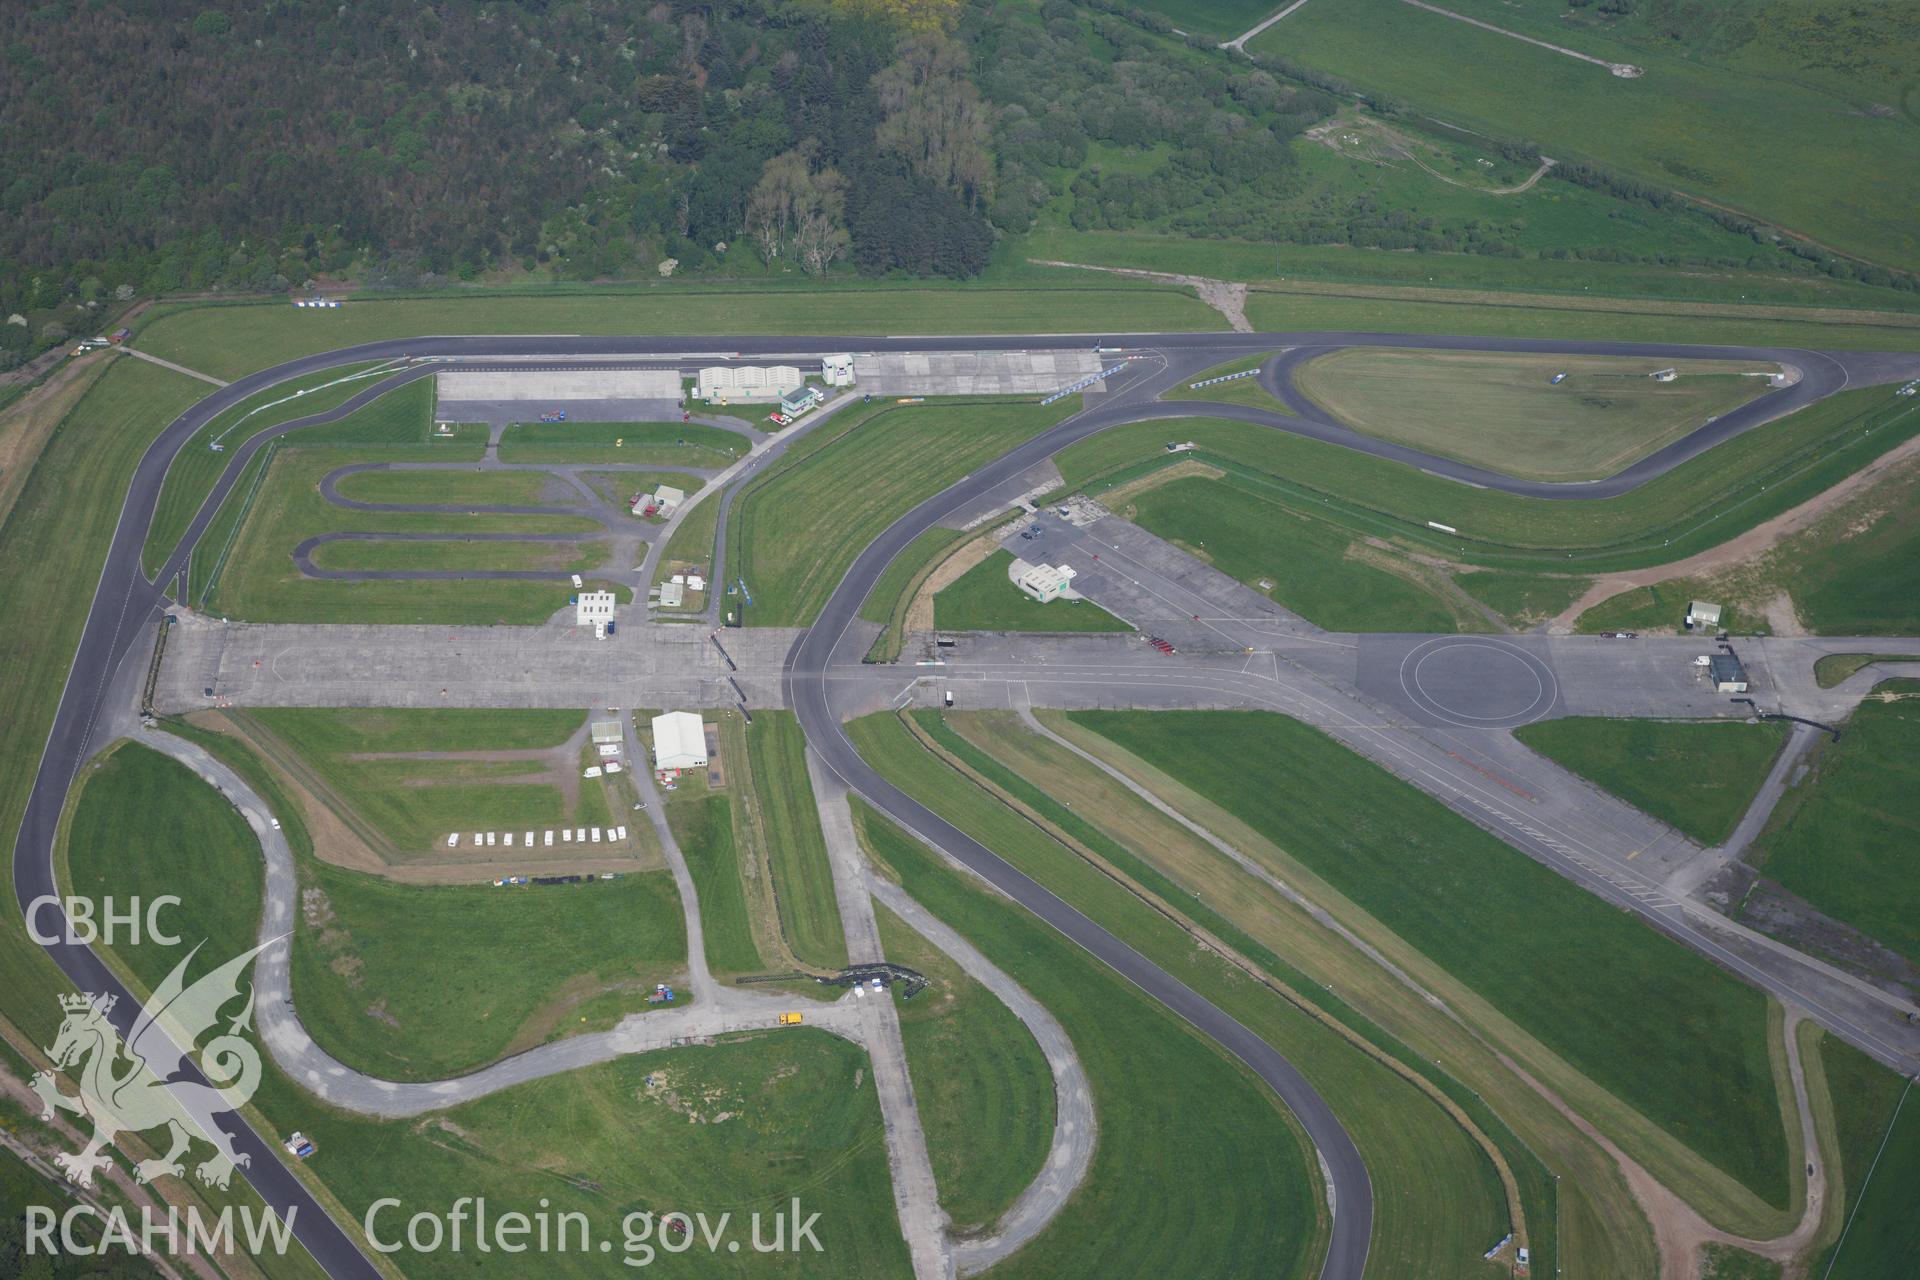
(703, 827)
(1865, 582)
(796, 529)
(462, 556)
(381, 766)
(1835, 668)
(1668, 1032)
(692, 547)
(260, 582)
(1877, 1124)
(893, 592)
(229, 341)
(410, 982)
(1246, 391)
(457, 485)
(1698, 776)
(1501, 410)
(1522, 598)
(980, 1081)
(1315, 567)
(1445, 1199)
(619, 487)
(802, 876)
(1697, 505)
(196, 467)
(1683, 125)
(1663, 607)
(656, 444)
(985, 599)
(1847, 838)
(60, 525)
(1153, 1196)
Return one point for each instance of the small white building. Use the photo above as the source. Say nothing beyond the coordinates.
(668, 498)
(605, 733)
(737, 383)
(1701, 613)
(1045, 582)
(837, 370)
(1664, 375)
(672, 594)
(679, 741)
(593, 609)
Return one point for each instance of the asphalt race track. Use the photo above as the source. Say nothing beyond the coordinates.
(125, 605)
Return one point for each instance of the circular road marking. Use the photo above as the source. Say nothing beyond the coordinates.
(1477, 683)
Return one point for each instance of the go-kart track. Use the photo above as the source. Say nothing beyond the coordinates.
(1469, 685)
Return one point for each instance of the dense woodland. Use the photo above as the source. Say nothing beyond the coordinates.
(160, 146)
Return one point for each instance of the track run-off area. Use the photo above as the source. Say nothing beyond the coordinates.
(126, 603)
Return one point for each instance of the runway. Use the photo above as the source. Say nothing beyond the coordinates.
(125, 603)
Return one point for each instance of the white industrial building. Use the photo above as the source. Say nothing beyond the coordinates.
(594, 609)
(1045, 582)
(735, 383)
(679, 741)
(837, 371)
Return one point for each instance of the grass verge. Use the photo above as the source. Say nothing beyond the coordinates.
(985, 599)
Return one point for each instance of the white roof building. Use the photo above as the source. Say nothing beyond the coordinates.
(679, 741)
(593, 608)
(747, 382)
(666, 497)
(1044, 582)
(672, 594)
(837, 371)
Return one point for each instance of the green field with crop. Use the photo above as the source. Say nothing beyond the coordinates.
(1669, 1033)
(1699, 776)
(985, 599)
(1696, 505)
(229, 341)
(703, 827)
(1684, 124)
(802, 876)
(654, 444)
(796, 529)
(1877, 1128)
(1444, 1195)
(1159, 1146)
(408, 778)
(1847, 838)
(1504, 412)
(980, 1083)
(1318, 571)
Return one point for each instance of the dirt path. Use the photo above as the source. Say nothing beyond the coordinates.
(1750, 545)
(1228, 297)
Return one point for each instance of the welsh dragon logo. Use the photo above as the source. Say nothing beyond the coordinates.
(122, 1088)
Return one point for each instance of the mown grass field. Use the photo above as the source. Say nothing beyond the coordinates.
(1501, 410)
(1697, 505)
(1118, 832)
(379, 764)
(1847, 838)
(778, 1115)
(1313, 565)
(260, 582)
(796, 529)
(985, 599)
(692, 548)
(1877, 1126)
(196, 467)
(463, 556)
(1522, 598)
(980, 1081)
(1668, 1032)
(703, 826)
(482, 488)
(1246, 391)
(802, 876)
(662, 444)
(1835, 668)
(893, 593)
(1153, 1196)
(229, 341)
(60, 525)
(1683, 125)
(1443, 1191)
(1699, 776)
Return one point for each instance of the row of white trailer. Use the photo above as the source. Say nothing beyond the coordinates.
(568, 835)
